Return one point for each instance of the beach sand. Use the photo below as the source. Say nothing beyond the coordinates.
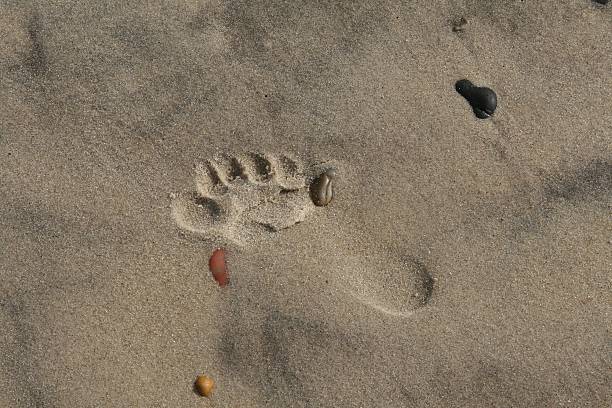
(461, 263)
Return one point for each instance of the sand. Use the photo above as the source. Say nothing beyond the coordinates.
(461, 263)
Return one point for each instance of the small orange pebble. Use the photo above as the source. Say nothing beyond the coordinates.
(218, 268)
(204, 385)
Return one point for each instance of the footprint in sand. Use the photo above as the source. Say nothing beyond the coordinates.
(237, 197)
(240, 197)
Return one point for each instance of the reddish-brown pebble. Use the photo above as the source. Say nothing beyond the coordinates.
(218, 268)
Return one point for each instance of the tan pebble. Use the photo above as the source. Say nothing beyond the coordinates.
(204, 385)
(322, 189)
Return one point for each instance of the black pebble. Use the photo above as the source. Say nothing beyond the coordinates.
(482, 99)
(601, 1)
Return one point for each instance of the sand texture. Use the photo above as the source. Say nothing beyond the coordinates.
(461, 263)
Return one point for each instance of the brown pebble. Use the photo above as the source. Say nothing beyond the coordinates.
(204, 385)
(321, 189)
